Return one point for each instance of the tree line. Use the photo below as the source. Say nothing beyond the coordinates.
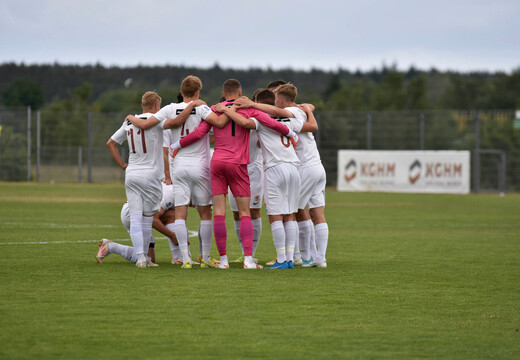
(114, 89)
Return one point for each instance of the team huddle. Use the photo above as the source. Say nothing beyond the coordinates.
(263, 149)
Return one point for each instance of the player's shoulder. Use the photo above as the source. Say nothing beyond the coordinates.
(203, 108)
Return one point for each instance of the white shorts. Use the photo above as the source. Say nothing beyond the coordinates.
(191, 183)
(167, 201)
(282, 189)
(125, 217)
(313, 181)
(256, 183)
(143, 194)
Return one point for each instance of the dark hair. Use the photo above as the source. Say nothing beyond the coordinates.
(253, 97)
(276, 83)
(179, 97)
(265, 97)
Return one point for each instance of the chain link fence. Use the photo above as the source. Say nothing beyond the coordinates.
(62, 146)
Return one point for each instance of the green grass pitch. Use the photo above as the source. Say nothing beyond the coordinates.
(409, 276)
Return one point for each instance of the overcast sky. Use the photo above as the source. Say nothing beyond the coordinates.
(445, 34)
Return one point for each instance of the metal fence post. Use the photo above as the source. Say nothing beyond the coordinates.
(89, 148)
(369, 131)
(80, 164)
(503, 169)
(38, 144)
(29, 143)
(422, 131)
(476, 155)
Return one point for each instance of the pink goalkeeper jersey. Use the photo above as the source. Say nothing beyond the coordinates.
(232, 141)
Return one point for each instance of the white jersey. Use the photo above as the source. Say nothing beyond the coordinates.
(306, 149)
(277, 148)
(255, 154)
(145, 148)
(198, 152)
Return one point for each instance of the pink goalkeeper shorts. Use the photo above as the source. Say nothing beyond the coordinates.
(224, 174)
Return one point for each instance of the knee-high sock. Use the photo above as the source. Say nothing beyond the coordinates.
(147, 233)
(291, 236)
(182, 238)
(314, 252)
(304, 234)
(237, 231)
(136, 234)
(257, 232)
(220, 231)
(125, 251)
(279, 240)
(175, 250)
(246, 234)
(206, 231)
(322, 239)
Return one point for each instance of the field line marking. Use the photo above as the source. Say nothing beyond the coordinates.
(191, 233)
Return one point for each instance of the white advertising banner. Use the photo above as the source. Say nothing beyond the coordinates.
(404, 171)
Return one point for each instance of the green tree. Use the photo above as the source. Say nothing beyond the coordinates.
(24, 92)
(390, 93)
(417, 94)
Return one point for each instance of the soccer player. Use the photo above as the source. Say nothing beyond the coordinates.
(282, 182)
(190, 170)
(229, 169)
(161, 221)
(255, 169)
(312, 175)
(143, 174)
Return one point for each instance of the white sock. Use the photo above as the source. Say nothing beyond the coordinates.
(199, 235)
(224, 260)
(291, 236)
(182, 238)
(257, 232)
(314, 252)
(175, 250)
(125, 251)
(136, 234)
(304, 234)
(147, 233)
(279, 240)
(206, 231)
(322, 239)
(237, 231)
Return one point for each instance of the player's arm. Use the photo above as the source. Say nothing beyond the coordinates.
(167, 177)
(233, 115)
(311, 125)
(112, 148)
(191, 138)
(180, 119)
(142, 123)
(159, 226)
(216, 120)
(244, 102)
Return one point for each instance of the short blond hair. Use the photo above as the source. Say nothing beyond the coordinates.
(288, 91)
(190, 85)
(149, 99)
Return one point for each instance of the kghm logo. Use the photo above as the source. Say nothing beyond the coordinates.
(350, 170)
(414, 172)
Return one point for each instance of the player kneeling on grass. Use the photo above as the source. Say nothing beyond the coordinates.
(162, 221)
